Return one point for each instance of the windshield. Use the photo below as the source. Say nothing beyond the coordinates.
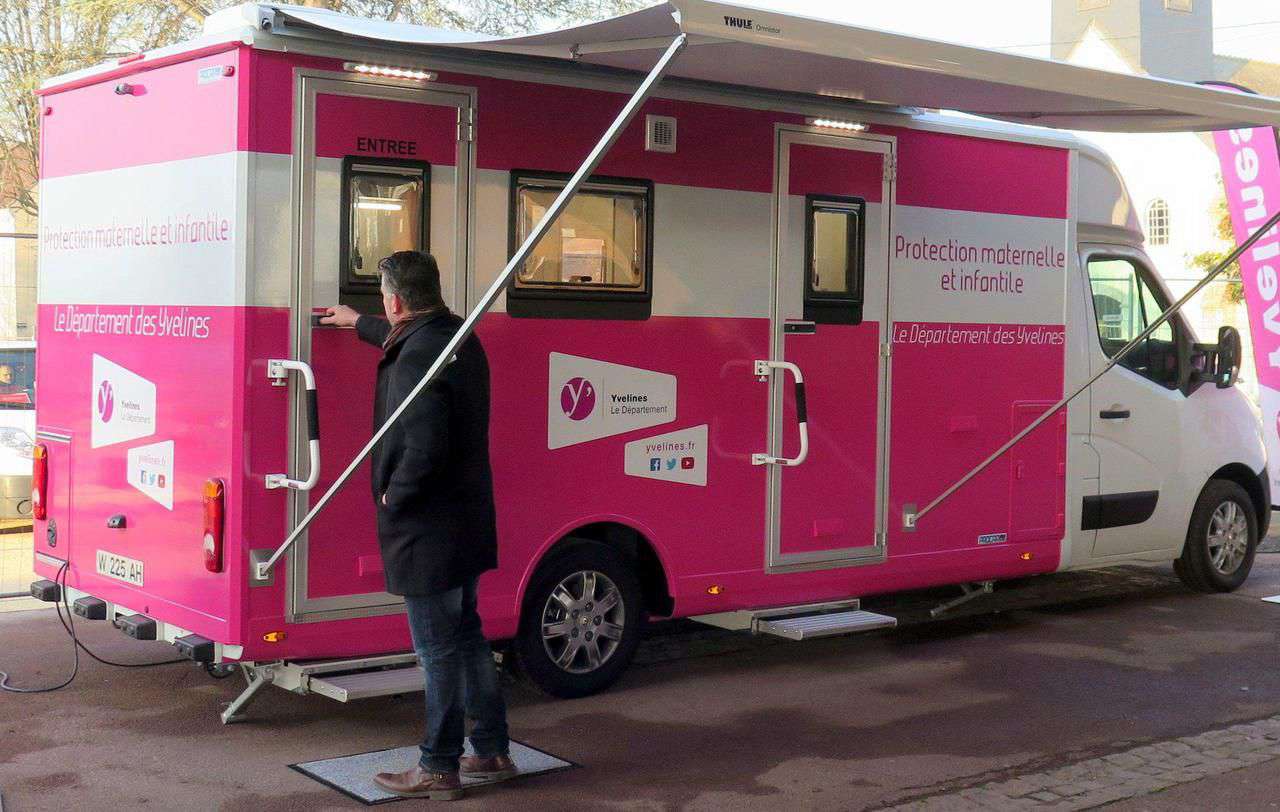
(18, 379)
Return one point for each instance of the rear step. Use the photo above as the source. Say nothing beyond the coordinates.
(365, 684)
(804, 622)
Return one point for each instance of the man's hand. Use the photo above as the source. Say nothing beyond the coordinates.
(340, 316)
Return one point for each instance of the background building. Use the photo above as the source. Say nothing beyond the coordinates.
(1175, 179)
(17, 265)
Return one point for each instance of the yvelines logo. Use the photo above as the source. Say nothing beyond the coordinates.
(588, 399)
(106, 401)
(123, 405)
(578, 399)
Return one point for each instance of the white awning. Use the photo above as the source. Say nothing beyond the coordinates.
(750, 47)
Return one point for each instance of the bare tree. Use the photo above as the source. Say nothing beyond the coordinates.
(42, 38)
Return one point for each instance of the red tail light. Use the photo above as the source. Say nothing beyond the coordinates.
(39, 481)
(213, 523)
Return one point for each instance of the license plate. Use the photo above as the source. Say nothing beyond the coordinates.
(120, 568)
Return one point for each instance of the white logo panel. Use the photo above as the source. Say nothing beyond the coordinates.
(680, 456)
(115, 236)
(977, 268)
(151, 471)
(589, 399)
(123, 404)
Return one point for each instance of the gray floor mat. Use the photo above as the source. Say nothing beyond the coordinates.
(353, 775)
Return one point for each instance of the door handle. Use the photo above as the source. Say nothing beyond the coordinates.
(763, 369)
(278, 371)
(799, 328)
(1114, 414)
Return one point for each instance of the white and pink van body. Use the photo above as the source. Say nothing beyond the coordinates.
(191, 224)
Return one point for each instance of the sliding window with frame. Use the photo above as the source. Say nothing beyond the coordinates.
(596, 260)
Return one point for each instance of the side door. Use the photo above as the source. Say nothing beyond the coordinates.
(380, 168)
(833, 203)
(1136, 410)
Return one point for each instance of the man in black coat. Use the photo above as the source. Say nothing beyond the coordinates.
(433, 492)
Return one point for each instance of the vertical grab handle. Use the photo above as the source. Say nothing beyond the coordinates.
(763, 369)
(278, 370)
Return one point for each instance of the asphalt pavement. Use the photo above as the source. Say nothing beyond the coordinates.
(1033, 681)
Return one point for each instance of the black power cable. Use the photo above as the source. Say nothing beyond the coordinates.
(69, 625)
(75, 652)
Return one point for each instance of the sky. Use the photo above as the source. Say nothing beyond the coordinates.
(1246, 28)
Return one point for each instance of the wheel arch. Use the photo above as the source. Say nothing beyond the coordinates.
(1255, 485)
(634, 542)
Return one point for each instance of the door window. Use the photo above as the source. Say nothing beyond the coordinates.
(1124, 304)
(834, 259)
(384, 211)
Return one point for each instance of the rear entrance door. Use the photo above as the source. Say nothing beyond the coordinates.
(833, 204)
(382, 169)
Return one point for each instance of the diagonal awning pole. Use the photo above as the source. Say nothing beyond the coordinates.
(588, 166)
(909, 520)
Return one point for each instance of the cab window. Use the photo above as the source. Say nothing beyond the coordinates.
(1124, 304)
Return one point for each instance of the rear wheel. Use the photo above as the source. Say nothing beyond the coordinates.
(581, 622)
(1221, 540)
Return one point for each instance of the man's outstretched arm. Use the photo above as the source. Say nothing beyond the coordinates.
(371, 329)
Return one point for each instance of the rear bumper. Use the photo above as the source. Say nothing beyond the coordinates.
(190, 645)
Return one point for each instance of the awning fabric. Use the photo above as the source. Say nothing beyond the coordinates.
(745, 46)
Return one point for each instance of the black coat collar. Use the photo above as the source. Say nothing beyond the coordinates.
(417, 325)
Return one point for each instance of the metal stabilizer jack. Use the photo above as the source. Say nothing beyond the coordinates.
(971, 591)
(258, 676)
(911, 518)
(486, 301)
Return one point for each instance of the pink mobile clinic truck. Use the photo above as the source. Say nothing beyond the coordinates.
(787, 308)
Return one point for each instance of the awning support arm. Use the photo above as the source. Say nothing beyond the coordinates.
(486, 301)
(910, 519)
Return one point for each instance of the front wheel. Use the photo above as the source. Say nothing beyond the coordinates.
(581, 622)
(1221, 540)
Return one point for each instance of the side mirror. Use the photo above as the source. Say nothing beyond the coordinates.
(1219, 363)
(1230, 350)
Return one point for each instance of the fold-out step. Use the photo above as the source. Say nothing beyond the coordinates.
(806, 627)
(802, 622)
(366, 684)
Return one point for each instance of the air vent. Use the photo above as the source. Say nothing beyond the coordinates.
(659, 134)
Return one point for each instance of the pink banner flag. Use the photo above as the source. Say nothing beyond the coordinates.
(1251, 174)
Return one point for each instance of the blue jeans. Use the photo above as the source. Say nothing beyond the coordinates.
(462, 680)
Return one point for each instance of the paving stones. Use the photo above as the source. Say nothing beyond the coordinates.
(1126, 774)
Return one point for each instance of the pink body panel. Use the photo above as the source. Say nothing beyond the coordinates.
(195, 379)
(950, 405)
(123, 128)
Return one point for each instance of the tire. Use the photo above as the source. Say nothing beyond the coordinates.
(574, 659)
(1221, 539)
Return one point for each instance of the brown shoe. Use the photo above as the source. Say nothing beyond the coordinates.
(491, 768)
(419, 783)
